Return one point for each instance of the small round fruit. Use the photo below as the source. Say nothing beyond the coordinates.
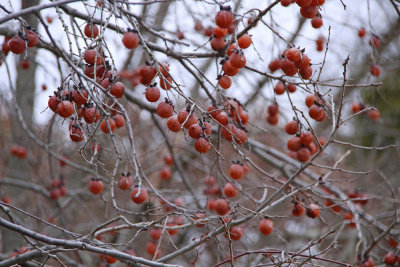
(238, 60)
(17, 45)
(317, 22)
(291, 88)
(65, 109)
(293, 54)
(298, 209)
(221, 206)
(236, 171)
(151, 249)
(225, 82)
(217, 43)
(292, 127)
(173, 124)
(310, 100)
(165, 173)
(91, 56)
(235, 233)
(244, 41)
(303, 154)
(119, 120)
(125, 182)
(306, 138)
(130, 40)
(362, 32)
(224, 18)
(96, 186)
(195, 131)
(294, 144)
(390, 259)
(279, 88)
(375, 70)
(155, 233)
(266, 226)
(312, 211)
(274, 65)
(309, 12)
(139, 198)
(91, 30)
(104, 127)
(273, 109)
(202, 145)
(230, 190)
(288, 67)
(165, 110)
(117, 90)
(152, 94)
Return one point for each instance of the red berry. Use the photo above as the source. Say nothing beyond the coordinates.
(244, 41)
(390, 258)
(152, 94)
(220, 32)
(288, 67)
(235, 233)
(302, 3)
(237, 60)
(111, 124)
(80, 97)
(224, 18)
(298, 209)
(292, 127)
(165, 173)
(17, 45)
(306, 73)
(225, 82)
(316, 22)
(119, 120)
(32, 38)
(125, 182)
(221, 206)
(266, 226)
(117, 89)
(76, 133)
(312, 211)
(236, 171)
(293, 54)
(91, 115)
(155, 233)
(202, 145)
(91, 56)
(195, 130)
(273, 109)
(230, 190)
(375, 70)
(96, 186)
(310, 100)
(173, 124)
(165, 110)
(229, 69)
(316, 112)
(279, 88)
(274, 65)
(294, 144)
(91, 30)
(217, 43)
(139, 198)
(309, 12)
(291, 88)
(303, 154)
(306, 138)
(65, 109)
(130, 40)
(151, 249)
(362, 32)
